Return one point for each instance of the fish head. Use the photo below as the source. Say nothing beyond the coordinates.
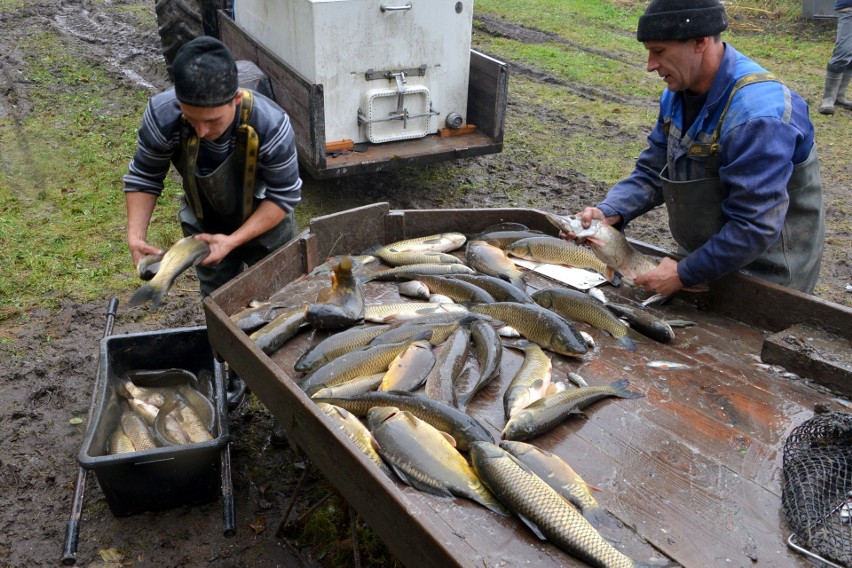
(378, 415)
(517, 449)
(519, 426)
(568, 342)
(480, 451)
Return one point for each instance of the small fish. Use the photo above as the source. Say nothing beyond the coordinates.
(162, 377)
(459, 290)
(644, 322)
(491, 260)
(450, 359)
(355, 430)
(135, 428)
(190, 424)
(463, 427)
(656, 299)
(503, 239)
(352, 387)
(441, 242)
(680, 323)
(501, 290)
(407, 257)
(336, 345)
(367, 360)
(609, 244)
(667, 365)
(440, 331)
(384, 313)
(531, 382)
(342, 304)
(546, 413)
(279, 331)
(577, 379)
(259, 314)
(120, 443)
(150, 395)
(413, 289)
(411, 271)
(489, 354)
(408, 371)
(184, 254)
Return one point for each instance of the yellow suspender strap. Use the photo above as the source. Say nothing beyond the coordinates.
(190, 150)
(247, 146)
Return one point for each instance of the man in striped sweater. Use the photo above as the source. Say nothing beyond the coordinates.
(235, 152)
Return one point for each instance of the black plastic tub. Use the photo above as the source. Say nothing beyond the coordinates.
(160, 478)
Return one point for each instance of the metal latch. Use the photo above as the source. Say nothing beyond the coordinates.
(401, 113)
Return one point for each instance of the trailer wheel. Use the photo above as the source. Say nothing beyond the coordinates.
(178, 21)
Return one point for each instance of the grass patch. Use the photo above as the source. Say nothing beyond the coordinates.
(62, 233)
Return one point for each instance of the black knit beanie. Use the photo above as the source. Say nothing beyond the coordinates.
(205, 73)
(681, 19)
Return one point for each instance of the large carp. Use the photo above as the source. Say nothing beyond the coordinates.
(423, 457)
(542, 508)
(185, 253)
(609, 244)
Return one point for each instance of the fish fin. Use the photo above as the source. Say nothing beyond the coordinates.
(147, 292)
(633, 334)
(628, 343)
(532, 527)
(620, 387)
(594, 488)
(448, 438)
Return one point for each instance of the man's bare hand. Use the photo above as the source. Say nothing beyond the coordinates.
(662, 280)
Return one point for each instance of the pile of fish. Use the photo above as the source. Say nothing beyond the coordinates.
(160, 408)
(396, 377)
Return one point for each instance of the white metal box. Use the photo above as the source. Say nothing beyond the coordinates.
(358, 48)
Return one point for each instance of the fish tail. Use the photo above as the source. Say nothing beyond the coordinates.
(145, 293)
(628, 343)
(620, 388)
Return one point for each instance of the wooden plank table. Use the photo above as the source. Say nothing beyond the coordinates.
(690, 472)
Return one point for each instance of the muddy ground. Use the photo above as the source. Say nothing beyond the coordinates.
(53, 381)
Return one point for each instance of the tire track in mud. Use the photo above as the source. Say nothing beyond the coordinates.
(500, 28)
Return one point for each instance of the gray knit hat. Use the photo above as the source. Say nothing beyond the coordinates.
(681, 19)
(205, 73)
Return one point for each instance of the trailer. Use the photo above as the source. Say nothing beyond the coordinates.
(690, 473)
(368, 85)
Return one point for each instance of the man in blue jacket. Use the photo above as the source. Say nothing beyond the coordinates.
(732, 156)
(839, 68)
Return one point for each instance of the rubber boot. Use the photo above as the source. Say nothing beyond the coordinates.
(278, 435)
(235, 390)
(832, 86)
(841, 99)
